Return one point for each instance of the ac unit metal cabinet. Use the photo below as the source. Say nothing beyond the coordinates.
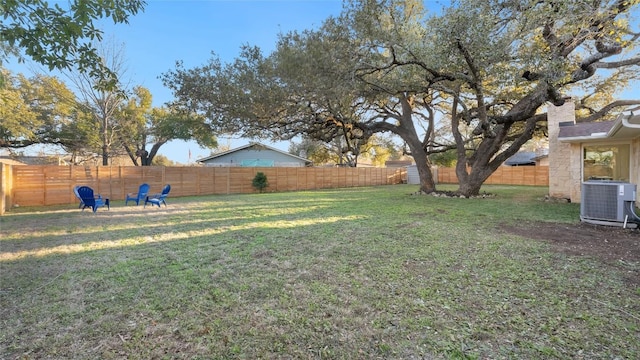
(603, 202)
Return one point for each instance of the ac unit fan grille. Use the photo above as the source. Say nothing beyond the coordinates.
(606, 202)
(600, 202)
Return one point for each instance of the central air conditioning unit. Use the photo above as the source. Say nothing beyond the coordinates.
(607, 202)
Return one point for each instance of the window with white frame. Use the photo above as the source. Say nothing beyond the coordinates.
(606, 162)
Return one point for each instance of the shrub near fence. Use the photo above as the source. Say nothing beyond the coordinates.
(41, 185)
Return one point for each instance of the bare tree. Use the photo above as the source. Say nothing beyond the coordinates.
(104, 103)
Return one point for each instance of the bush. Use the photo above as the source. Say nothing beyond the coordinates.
(260, 182)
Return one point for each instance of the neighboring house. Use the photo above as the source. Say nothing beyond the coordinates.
(528, 158)
(579, 152)
(255, 155)
(32, 160)
(542, 159)
(522, 158)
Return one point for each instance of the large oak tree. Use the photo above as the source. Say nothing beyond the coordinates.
(505, 61)
(489, 68)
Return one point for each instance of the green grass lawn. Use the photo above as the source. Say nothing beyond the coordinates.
(356, 273)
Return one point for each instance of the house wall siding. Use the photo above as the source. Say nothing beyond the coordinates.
(575, 172)
(236, 158)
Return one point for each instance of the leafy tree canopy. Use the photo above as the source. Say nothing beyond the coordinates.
(42, 110)
(62, 37)
(34, 111)
(143, 129)
(488, 68)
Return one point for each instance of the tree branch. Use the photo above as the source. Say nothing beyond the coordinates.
(617, 64)
(606, 109)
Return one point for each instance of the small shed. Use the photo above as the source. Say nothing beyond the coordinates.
(255, 155)
(414, 178)
(412, 175)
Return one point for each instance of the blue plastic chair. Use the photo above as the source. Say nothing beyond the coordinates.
(90, 200)
(158, 199)
(75, 191)
(143, 191)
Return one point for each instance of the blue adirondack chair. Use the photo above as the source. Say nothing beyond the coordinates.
(75, 191)
(158, 199)
(90, 200)
(142, 193)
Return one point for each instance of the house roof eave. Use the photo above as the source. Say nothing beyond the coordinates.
(204, 159)
(592, 137)
(625, 126)
(617, 125)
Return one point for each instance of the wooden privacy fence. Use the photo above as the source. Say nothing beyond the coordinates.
(37, 185)
(34, 185)
(504, 175)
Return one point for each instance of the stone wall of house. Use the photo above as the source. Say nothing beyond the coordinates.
(575, 171)
(562, 165)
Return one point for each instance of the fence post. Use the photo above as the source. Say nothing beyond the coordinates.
(3, 187)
